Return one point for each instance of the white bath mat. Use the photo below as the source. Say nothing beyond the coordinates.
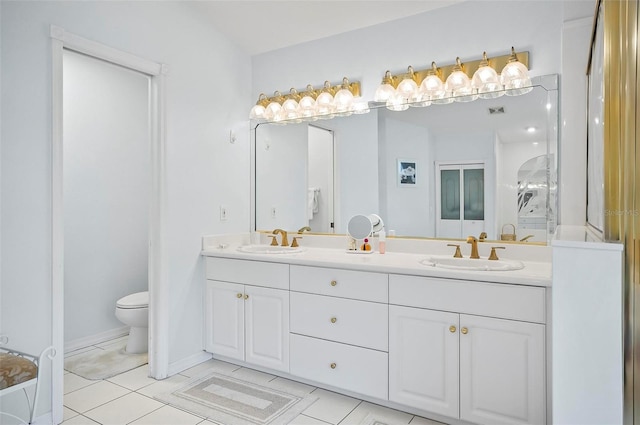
(103, 364)
(229, 401)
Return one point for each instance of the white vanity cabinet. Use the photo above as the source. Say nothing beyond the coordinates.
(339, 328)
(447, 356)
(247, 311)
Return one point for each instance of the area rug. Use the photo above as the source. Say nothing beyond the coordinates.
(229, 401)
(103, 364)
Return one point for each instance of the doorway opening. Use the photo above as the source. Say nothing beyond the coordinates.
(63, 43)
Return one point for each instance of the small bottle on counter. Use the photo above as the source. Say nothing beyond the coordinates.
(351, 244)
(365, 245)
(382, 241)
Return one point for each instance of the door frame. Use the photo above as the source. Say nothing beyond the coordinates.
(157, 264)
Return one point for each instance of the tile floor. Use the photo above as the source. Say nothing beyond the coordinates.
(128, 399)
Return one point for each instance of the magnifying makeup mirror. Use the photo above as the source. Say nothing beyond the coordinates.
(360, 227)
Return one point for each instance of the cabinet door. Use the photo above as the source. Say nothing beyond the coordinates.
(224, 319)
(267, 327)
(423, 359)
(502, 371)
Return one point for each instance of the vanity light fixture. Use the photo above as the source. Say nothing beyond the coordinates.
(486, 80)
(515, 76)
(458, 84)
(325, 103)
(465, 82)
(385, 89)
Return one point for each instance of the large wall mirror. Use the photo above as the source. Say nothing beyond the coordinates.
(442, 171)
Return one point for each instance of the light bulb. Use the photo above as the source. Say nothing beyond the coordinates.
(486, 80)
(343, 100)
(385, 89)
(515, 77)
(257, 112)
(272, 110)
(360, 106)
(325, 106)
(432, 87)
(307, 104)
(408, 87)
(459, 84)
(397, 102)
(290, 109)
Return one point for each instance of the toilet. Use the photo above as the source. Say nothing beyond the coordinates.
(133, 310)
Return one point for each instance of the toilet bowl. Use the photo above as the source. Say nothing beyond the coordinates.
(133, 310)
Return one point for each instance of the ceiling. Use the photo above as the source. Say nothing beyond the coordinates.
(259, 26)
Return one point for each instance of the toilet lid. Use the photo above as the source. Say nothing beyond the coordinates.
(137, 300)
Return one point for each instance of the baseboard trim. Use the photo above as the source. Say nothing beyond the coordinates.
(87, 341)
(188, 362)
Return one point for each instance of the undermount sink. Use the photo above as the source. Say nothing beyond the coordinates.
(269, 249)
(479, 264)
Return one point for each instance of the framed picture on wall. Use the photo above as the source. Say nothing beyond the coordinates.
(407, 172)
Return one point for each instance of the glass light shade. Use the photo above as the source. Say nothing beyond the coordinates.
(360, 106)
(418, 100)
(515, 78)
(272, 110)
(383, 92)
(343, 102)
(397, 102)
(459, 85)
(487, 83)
(324, 106)
(291, 110)
(308, 108)
(407, 88)
(257, 112)
(432, 89)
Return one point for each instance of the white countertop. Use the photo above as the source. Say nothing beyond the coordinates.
(534, 273)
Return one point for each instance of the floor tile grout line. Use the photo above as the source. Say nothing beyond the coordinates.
(106, 402)
(352, 410)
(311, 417)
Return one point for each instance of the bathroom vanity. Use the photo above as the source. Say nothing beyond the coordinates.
(454, 345)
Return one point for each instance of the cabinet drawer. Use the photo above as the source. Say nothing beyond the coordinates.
(257, 273)
(358, 285)
(354, 322)
(516, 302)
(354, 369)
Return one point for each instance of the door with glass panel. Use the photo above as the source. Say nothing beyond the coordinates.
(459, 199)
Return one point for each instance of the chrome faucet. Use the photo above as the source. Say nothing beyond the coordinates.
(285, 240)
(474, 246)
(303, 229)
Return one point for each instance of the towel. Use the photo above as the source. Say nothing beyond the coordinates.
(312, 201)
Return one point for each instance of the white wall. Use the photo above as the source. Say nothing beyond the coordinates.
(365, 54)
(356, 153)
(107, 176)
(204, 101)
(407, 209)
(281, 176)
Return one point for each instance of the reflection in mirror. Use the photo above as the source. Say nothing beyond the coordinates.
(487, 141)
